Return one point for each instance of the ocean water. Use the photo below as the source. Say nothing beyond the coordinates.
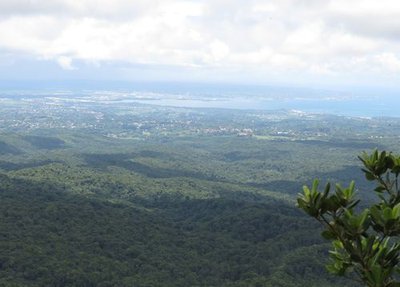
(359, 103)
(360, 107)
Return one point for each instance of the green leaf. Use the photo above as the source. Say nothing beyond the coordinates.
(307, 191)
(315, 185)
(329, 235)
(380, 189)
(396, 211)
(387, 213)
(368, 175)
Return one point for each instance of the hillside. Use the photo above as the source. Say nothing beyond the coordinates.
(167, 203)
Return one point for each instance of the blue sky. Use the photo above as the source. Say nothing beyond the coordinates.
(338, 43)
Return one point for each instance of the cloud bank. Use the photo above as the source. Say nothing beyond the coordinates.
(322, 38)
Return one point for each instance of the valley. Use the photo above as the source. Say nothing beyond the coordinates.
(104, 191)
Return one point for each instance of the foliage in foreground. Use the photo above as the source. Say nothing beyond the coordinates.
(364, 241)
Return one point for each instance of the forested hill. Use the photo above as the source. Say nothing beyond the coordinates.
(50, 237)
(95, 194)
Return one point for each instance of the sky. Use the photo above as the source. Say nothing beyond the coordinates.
(301, 42)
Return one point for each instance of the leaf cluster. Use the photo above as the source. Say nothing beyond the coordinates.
(364, 242)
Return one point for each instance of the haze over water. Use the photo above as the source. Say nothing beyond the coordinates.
(385, 107)
(202, 95)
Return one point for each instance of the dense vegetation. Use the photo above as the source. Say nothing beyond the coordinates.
(50, 238)
(102, 196)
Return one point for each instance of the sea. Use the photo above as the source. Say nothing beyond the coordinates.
(350, 102)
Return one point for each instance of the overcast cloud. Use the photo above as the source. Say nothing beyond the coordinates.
(319, 38)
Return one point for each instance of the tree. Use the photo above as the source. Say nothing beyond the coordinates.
(364, 240)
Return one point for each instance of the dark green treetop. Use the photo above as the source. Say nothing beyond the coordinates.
(365, 243)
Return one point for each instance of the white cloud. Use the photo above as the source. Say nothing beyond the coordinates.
(65, 63)
(388, 61)
(308, 36)
(218, 50)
